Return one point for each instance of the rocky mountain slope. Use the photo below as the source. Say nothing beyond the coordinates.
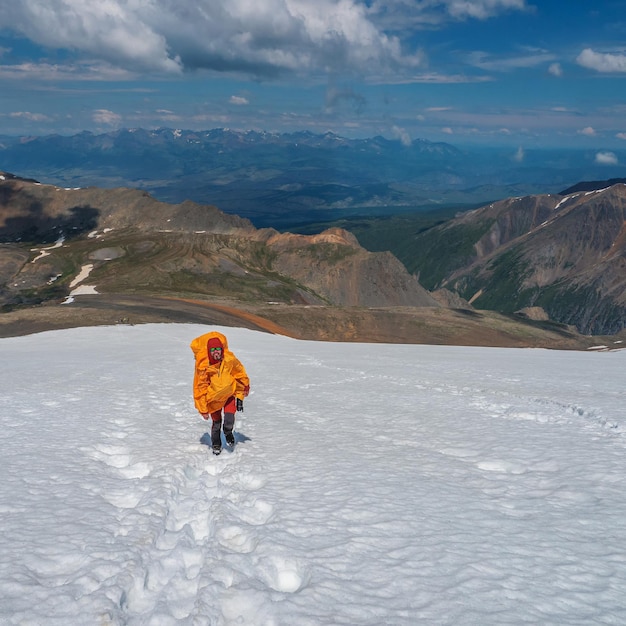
(565, 254)
(120, 256)
(132, 243)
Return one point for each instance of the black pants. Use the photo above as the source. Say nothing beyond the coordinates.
(216, 427)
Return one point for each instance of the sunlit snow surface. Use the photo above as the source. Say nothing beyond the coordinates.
(371, 484)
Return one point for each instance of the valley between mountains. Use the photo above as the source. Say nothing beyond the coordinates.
(71, 257)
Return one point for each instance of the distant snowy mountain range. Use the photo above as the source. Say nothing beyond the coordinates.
(282, 180)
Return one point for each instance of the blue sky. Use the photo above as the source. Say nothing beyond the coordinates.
(495, 72)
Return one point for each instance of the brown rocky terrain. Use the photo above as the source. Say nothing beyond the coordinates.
(564, 254)
(133, 242)
(71, 257)
(422, 325)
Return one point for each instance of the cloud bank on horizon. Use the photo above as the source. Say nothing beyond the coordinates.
(480, 70)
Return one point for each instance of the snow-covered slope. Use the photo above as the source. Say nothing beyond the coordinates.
(371, 484)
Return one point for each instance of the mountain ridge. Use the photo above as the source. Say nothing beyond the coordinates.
(191, 242)
(144, 260)
(285, 179)
(565, 254)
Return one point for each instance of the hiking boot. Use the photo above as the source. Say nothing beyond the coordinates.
(217, 449)
(230, 438)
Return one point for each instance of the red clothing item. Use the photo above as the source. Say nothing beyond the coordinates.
(211, 345)
(229, 407)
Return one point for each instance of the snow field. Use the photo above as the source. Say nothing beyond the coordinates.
(371, 484)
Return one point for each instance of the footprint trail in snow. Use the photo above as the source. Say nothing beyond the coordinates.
(442, 485)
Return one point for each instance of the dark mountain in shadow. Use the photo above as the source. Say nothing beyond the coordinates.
(592, 185)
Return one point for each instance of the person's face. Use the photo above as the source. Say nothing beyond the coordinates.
(216, 354)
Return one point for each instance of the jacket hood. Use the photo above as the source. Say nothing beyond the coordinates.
(199, 344)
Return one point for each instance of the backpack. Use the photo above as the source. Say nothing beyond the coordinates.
(221, 387)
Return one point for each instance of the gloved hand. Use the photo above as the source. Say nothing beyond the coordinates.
(239, 404)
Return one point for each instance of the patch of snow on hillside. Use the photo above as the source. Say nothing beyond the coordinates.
(82, 289)
(84, 273)
(44, 251)
(94, 234)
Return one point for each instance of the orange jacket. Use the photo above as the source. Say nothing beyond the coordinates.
(205, 370)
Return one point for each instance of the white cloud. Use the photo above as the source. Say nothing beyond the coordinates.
(621, 136)
(447, 130)
(402, 13)
(606, 158)
(402, 135)
(102, 116)
(62, 72)
(602, 62)
(441, 79)
(239, 100)
(117, 32)
(519, 155)
(589, 131)
(487, 62)
(482, 9)
(163, 115)
(31, 117)
(261, 38)
(555, 69)
(399, 15)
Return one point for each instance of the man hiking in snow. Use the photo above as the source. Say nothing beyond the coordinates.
(220, 384)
